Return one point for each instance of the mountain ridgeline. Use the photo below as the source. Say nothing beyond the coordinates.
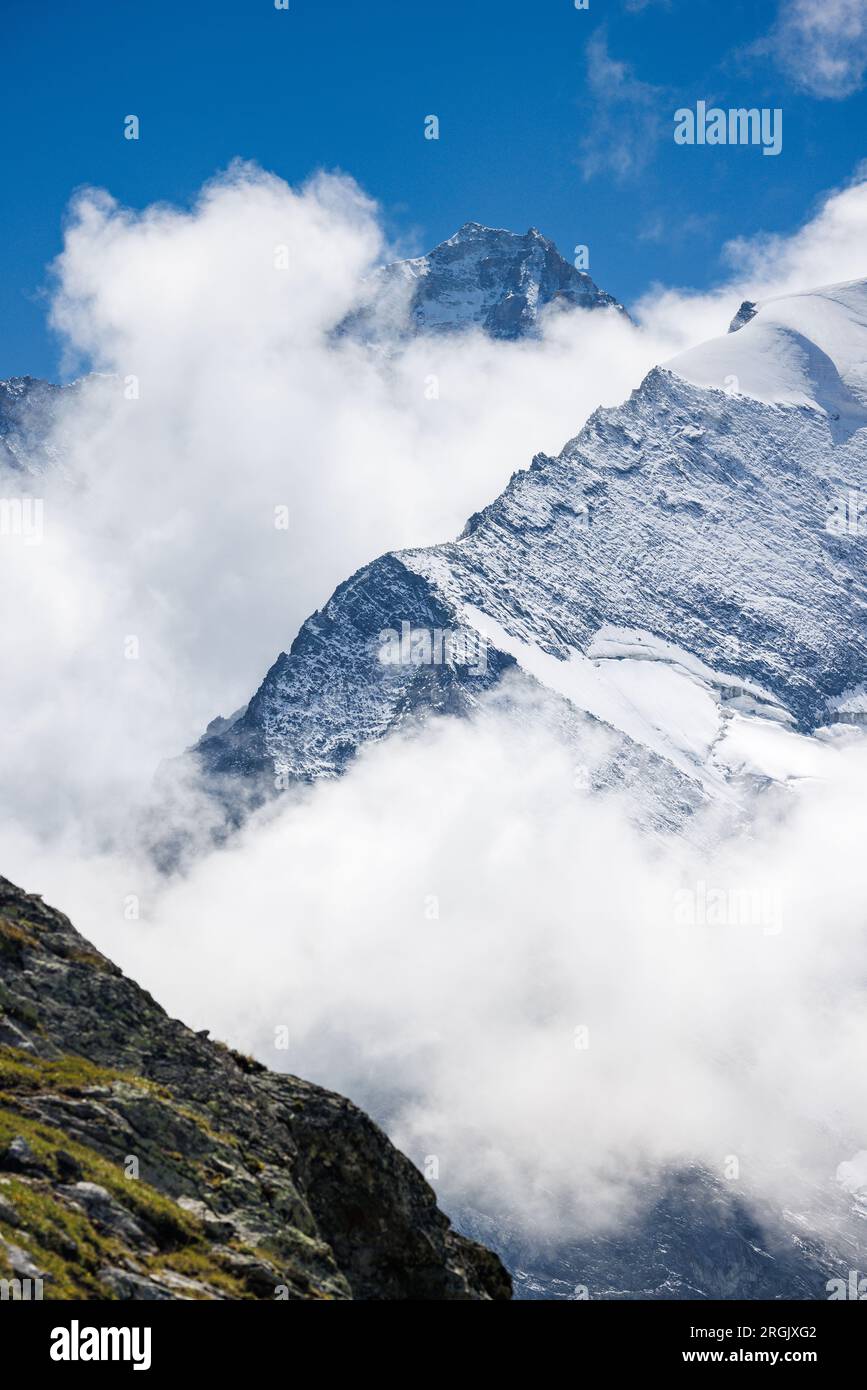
(496, 281)
(687, 543)
(484, 278)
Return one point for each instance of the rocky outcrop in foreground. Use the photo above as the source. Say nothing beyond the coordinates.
(140, 1160)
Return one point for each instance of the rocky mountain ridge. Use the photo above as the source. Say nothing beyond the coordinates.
(675, 582)
(482, 277)
(140, 1160)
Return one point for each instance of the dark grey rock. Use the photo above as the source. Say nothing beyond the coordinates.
(482, 277)
(244, 1182)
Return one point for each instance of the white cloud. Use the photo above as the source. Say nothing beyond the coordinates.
(625, 116)
(552, 914)
(167, 533)
(828, 249)
(821, 45)
(244, 405)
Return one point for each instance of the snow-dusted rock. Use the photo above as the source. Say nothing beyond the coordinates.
(677, 575)
(29, 410)
(482, 277)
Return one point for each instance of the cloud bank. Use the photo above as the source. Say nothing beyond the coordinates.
(496, 963)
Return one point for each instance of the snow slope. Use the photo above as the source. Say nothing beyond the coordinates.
(804, 349)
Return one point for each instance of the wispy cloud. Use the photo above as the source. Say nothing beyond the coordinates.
(822, 46)
(626, 116)
(674, 231)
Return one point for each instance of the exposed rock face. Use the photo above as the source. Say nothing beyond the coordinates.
(695, 1238)
(28, 418)
(482, 277)
(745, 314)
(333, 692)
(140, 1160)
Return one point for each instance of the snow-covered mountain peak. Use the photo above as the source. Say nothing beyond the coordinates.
(477, 232)
(481, 277)
(801, 350)
(678, 577)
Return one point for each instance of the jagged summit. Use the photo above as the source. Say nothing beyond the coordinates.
(481, 277)
(478, 230)
(486, 278)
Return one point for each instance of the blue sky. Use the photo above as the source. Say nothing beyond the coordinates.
(550, 116)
